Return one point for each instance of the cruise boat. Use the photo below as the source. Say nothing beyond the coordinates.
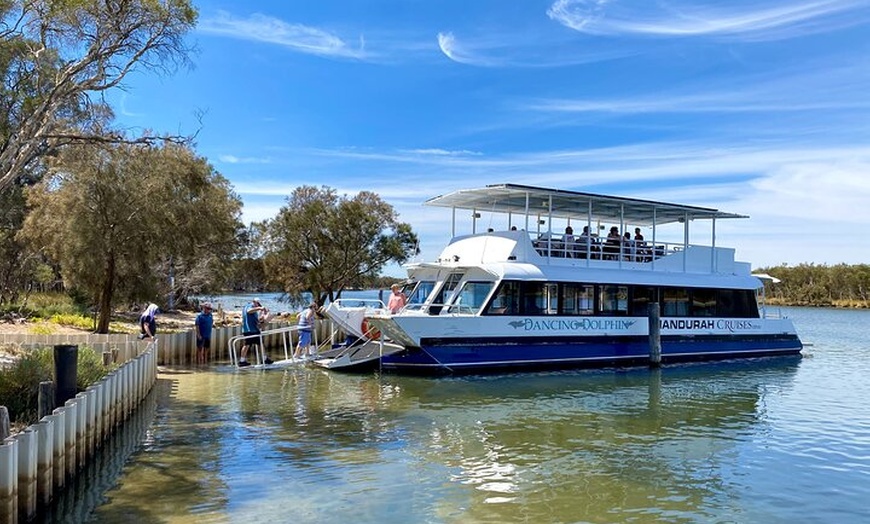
(533, 285)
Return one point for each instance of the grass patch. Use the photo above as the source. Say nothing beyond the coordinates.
(73, 320)
(42, 329)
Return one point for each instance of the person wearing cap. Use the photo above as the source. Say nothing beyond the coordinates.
(304, 327)
(251, 330)
(202, 326)
(148, 322)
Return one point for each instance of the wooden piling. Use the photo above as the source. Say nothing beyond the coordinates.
(4, 423)
(45, 400)
(655, 335)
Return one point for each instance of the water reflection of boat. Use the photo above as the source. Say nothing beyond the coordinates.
(605, 440)
(526, 297)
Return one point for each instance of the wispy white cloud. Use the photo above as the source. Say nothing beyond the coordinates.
(825, 87)
(738, 19)
(232, 159)
(122, 106)
(441, 152)
(298, 37)
(454, 51)
(510, 50)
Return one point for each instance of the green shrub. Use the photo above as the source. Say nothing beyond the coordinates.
(45, 305)
(19, 384)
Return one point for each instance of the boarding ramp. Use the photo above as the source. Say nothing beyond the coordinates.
(257, 354)
(364, 346)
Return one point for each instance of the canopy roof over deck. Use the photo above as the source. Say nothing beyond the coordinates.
(557, 203)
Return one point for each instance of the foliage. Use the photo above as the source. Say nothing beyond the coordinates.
(58, 57)
(247, 272)
(16, 265)
(76, 321)
(119, 218)
(19, 384)
(820, 285)
(41, 329)
(45, 305)
(322, 243)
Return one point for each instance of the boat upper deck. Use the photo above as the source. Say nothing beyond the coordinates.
(530, 201)
(530, 235)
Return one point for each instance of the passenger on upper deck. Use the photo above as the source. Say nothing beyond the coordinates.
(585, 244)
(568, 242)
(629, 249)
(640, 245)
(612, 244)
(543, 243)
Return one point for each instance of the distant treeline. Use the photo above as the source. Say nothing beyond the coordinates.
(841, 285)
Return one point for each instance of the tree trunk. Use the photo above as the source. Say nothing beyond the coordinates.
(105, 306)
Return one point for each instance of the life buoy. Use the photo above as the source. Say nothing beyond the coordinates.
(368, 331)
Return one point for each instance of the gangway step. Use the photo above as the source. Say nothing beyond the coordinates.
(359, 358)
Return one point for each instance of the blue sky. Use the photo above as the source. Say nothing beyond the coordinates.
(757, 107)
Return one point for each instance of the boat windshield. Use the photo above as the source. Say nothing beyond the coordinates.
(421, 291)
(471, 297)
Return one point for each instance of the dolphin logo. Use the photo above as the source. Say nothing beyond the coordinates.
(517, 323)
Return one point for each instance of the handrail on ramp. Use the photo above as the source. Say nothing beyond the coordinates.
(286, 333)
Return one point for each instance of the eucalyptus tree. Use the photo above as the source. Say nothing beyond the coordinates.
(115, 217)
(321, 242)
(59, 57)
(16, 263)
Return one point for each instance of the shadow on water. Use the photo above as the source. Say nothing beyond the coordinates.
(87, 490)
(93, 486)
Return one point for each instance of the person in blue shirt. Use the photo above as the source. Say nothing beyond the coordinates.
(202, 326)
(251, 329)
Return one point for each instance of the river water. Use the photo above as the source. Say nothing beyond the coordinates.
(779, 440)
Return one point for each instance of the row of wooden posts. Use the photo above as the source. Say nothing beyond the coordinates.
(37, 463)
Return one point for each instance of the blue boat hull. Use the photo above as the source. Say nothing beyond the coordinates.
(444, 355)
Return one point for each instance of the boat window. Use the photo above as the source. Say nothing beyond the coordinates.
(421, 291)
(641, 297)
(737, 303)
(506, 300)
(675, 302)
(444, 293)
(704, 302)
(578, 299)
(540, 298)
(471, 297)
(613, 300)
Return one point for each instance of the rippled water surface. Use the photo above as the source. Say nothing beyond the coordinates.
(767, 441)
